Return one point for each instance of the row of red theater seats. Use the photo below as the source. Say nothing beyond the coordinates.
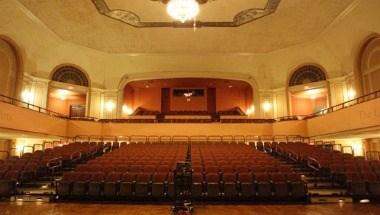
(139, 186)
(242, 168)
(363, 185)
(245, 185)
(243, 162)
(125, 168)
(116, 185)
(136, 170)
(31, 166)
(361, 177)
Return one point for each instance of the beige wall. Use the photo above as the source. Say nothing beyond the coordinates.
(22, 119)
(365, 115)
(187, 129)
(5, 145)
(290, 128)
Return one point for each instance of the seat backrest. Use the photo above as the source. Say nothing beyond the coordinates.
(211, 169)
(121, 168)
(229, 177)
(212, 178)
(242, 169)
(278, 177)
(12, 175)
(353, 176)
(163, 168)
(245, 177)
(113, 177)
(134, 168)
(128, 177)
(262, 177)
(227, 169)
(83, 176)
(294, 177)
(159, 177)
(69, 176)
(369, 176)
(197, 177)
(144, 177)
(98, 176)
(149, 169)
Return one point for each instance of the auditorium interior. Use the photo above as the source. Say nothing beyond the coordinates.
(190, 107)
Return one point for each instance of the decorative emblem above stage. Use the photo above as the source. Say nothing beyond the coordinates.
(133, 19)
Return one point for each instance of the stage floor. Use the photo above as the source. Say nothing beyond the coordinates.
(27, 208)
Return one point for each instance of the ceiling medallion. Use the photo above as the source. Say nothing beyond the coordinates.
(184, 11)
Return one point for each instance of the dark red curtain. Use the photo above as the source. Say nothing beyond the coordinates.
(165, 100)
(211, 100)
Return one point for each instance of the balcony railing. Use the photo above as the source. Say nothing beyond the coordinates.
(332, 109)
(26, 105)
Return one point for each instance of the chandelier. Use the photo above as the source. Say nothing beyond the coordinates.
(183, 10)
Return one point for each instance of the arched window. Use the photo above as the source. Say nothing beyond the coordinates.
(70, 75)
(370, 65)
(307, 74)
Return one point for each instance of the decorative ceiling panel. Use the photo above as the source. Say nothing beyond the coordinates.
(294, 22)
(243, 12)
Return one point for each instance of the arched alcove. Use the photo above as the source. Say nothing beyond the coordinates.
(68, 91)
(308, 90)
(10, 74)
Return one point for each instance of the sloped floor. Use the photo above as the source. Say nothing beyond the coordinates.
(32, 208)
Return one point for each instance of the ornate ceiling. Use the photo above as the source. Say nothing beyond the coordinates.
(244, 16)
(294, 22)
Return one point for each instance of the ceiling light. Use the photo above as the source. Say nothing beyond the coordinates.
(183, 10)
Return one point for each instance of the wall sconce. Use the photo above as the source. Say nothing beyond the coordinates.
(27, 96)
(351, 94)
(63, 94)
(250, 110)
(267, 106)
(110, 106)
(127, 110)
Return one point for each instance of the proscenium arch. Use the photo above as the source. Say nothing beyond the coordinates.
(19, 67)
(171, 75)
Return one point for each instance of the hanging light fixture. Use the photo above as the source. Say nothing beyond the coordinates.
(183, 10)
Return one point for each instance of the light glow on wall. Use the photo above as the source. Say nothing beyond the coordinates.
(355, 143)
(127, 110)
(267, 106)
(313, 93)
(63, 94)
(351, 94)
(27, 96)
(250, 110)
(110, 106)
